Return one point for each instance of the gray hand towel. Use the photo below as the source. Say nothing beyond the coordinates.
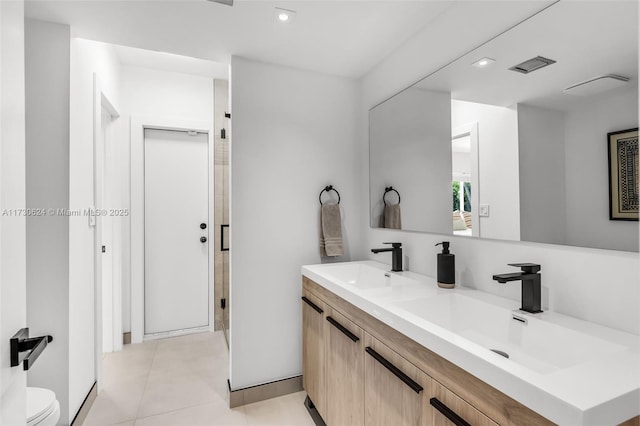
(331, 233)
(392, 216)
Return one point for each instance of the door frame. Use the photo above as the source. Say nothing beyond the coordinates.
(101, 103)
(471, 130)
(138, 126)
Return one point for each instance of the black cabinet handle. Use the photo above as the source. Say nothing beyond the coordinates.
(395, 370)
(313, 305)
(340, 327)
(448, 412)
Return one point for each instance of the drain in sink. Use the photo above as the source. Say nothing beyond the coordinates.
(499, 352)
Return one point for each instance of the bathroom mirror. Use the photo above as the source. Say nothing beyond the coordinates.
(482, 150)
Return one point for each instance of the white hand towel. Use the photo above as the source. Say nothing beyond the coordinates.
(331, 233)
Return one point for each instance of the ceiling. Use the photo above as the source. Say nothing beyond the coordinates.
(587, 39)
(343, 38)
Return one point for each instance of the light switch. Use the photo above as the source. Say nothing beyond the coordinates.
(484, 210)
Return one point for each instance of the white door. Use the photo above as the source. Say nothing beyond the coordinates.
(176, 250)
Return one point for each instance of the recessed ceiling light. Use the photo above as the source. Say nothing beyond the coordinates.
(481, 63)
(285, 15)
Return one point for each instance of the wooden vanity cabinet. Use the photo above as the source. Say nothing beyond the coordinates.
(313, 350)
(359, 371)
(394, 389)
(398, 393)
(446, 409)
(344, 371)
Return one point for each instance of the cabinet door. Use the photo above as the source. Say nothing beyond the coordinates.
(345, 370)
(313, 346)
(448, 409)
(394, 388)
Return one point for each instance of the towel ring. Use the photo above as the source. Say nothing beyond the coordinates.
(389, 189)
(327, 189)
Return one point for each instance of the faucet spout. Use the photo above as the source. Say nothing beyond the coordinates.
(531, 285)
(396, 256)
(505, 278)
(381, 250)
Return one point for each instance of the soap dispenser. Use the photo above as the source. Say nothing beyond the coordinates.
(446, 267)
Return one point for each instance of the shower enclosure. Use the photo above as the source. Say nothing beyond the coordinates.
(221, 171)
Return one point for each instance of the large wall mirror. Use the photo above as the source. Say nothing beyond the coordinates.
(510, 141)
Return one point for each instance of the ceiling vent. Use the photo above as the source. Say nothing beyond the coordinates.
(225, 2)
(532, 64)
(597, 85)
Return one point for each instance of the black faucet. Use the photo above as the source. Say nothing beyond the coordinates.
(531, 288)
(396, 255)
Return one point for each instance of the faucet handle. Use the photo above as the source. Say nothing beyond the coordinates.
(394, 245)
(527, 268)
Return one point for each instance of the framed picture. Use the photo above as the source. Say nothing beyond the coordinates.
(623, 174)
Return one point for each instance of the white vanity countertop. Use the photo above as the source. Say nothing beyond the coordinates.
(604, 389)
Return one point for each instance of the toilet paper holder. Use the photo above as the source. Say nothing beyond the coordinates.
(27, 349)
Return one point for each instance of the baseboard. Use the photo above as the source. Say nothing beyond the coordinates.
(261, 392)
(126, 338)
(82, 413)
(175, 333)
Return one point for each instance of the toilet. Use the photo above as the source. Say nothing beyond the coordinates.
(42, 407)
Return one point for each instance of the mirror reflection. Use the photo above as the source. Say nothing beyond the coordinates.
(510, 141)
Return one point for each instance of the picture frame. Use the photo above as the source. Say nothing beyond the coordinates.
(622, 147)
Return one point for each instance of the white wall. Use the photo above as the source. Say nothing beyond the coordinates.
(47, 187)
(87, 58)
(587, 171)
(12, 196)
(542, 175)
(293, 132)
(497, 163)
(595, 285)
(157, 94)
(412, 132)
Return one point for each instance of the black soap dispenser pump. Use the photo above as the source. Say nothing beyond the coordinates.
(446, 267)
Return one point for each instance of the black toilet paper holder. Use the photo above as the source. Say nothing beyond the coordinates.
(21, 343)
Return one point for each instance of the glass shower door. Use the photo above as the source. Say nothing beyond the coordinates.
(221, 171)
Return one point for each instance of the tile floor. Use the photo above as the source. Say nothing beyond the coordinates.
(182, 381)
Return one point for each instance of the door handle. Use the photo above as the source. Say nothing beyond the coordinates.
(203, 239)
(203, 226)
(222, 228)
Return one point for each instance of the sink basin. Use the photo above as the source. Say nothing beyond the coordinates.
(374, 280)
(364, 276)
(531, 342)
